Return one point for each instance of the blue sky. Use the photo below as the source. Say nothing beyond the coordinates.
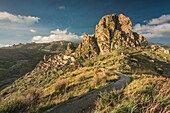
(49, 20)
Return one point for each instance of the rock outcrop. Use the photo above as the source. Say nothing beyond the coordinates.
(158, 48)
(112, 32)
(115, 31)
(70, 48)
(87, 48)
(53, 63)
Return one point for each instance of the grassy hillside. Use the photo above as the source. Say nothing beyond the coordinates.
(149, 89)
(145, 94)
(41, 89)
(53, 86)
(17, 60)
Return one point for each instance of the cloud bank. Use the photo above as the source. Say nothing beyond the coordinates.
(58, 35)
(160, 20)
(155, 28)
(18, 18)
(2, 45)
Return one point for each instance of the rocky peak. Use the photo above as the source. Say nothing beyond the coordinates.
(115, 31)
(112, 32)
(124, 23)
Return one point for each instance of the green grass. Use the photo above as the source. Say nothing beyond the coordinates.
(59, 86)
(141, 95)
(17, 60)
(148, 89)
(3, 69)
(83, 76)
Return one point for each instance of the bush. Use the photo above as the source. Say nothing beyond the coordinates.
(25, 102)
(12, 107)
(106, 100)
(96, 80)
(61, 84)
(80, 77)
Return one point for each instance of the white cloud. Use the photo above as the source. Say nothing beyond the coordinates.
(2, 45)
(160, 20)
(155, 28)
(58, 31)
(32, 30)
(18, 18)
(58, 35)
(61, 7)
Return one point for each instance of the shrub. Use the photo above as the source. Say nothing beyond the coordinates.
(96, 80)
(31, 96)
(12, 107)
(27, 101)
(106, 100)
(61, 84)
(80, 77)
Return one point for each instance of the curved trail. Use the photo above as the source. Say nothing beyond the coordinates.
(83, 102)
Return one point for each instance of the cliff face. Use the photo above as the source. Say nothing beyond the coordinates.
(112, 32)
(115, 31)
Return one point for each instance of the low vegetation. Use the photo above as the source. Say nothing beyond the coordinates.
(148, 91)
(17, 60)
(57, 87)
(145, 95)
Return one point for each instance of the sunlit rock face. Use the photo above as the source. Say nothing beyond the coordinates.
(115, 31)
(112, 32)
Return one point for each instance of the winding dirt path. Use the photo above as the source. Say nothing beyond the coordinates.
(86, 101)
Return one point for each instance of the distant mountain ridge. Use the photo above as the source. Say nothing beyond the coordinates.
(52, 46)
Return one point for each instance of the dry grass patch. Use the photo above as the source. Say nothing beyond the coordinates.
(144, 95)
(61, 84)
(99, 79)
(81, 77)
(24, 103)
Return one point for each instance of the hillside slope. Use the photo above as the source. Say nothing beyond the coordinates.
(17, 60)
